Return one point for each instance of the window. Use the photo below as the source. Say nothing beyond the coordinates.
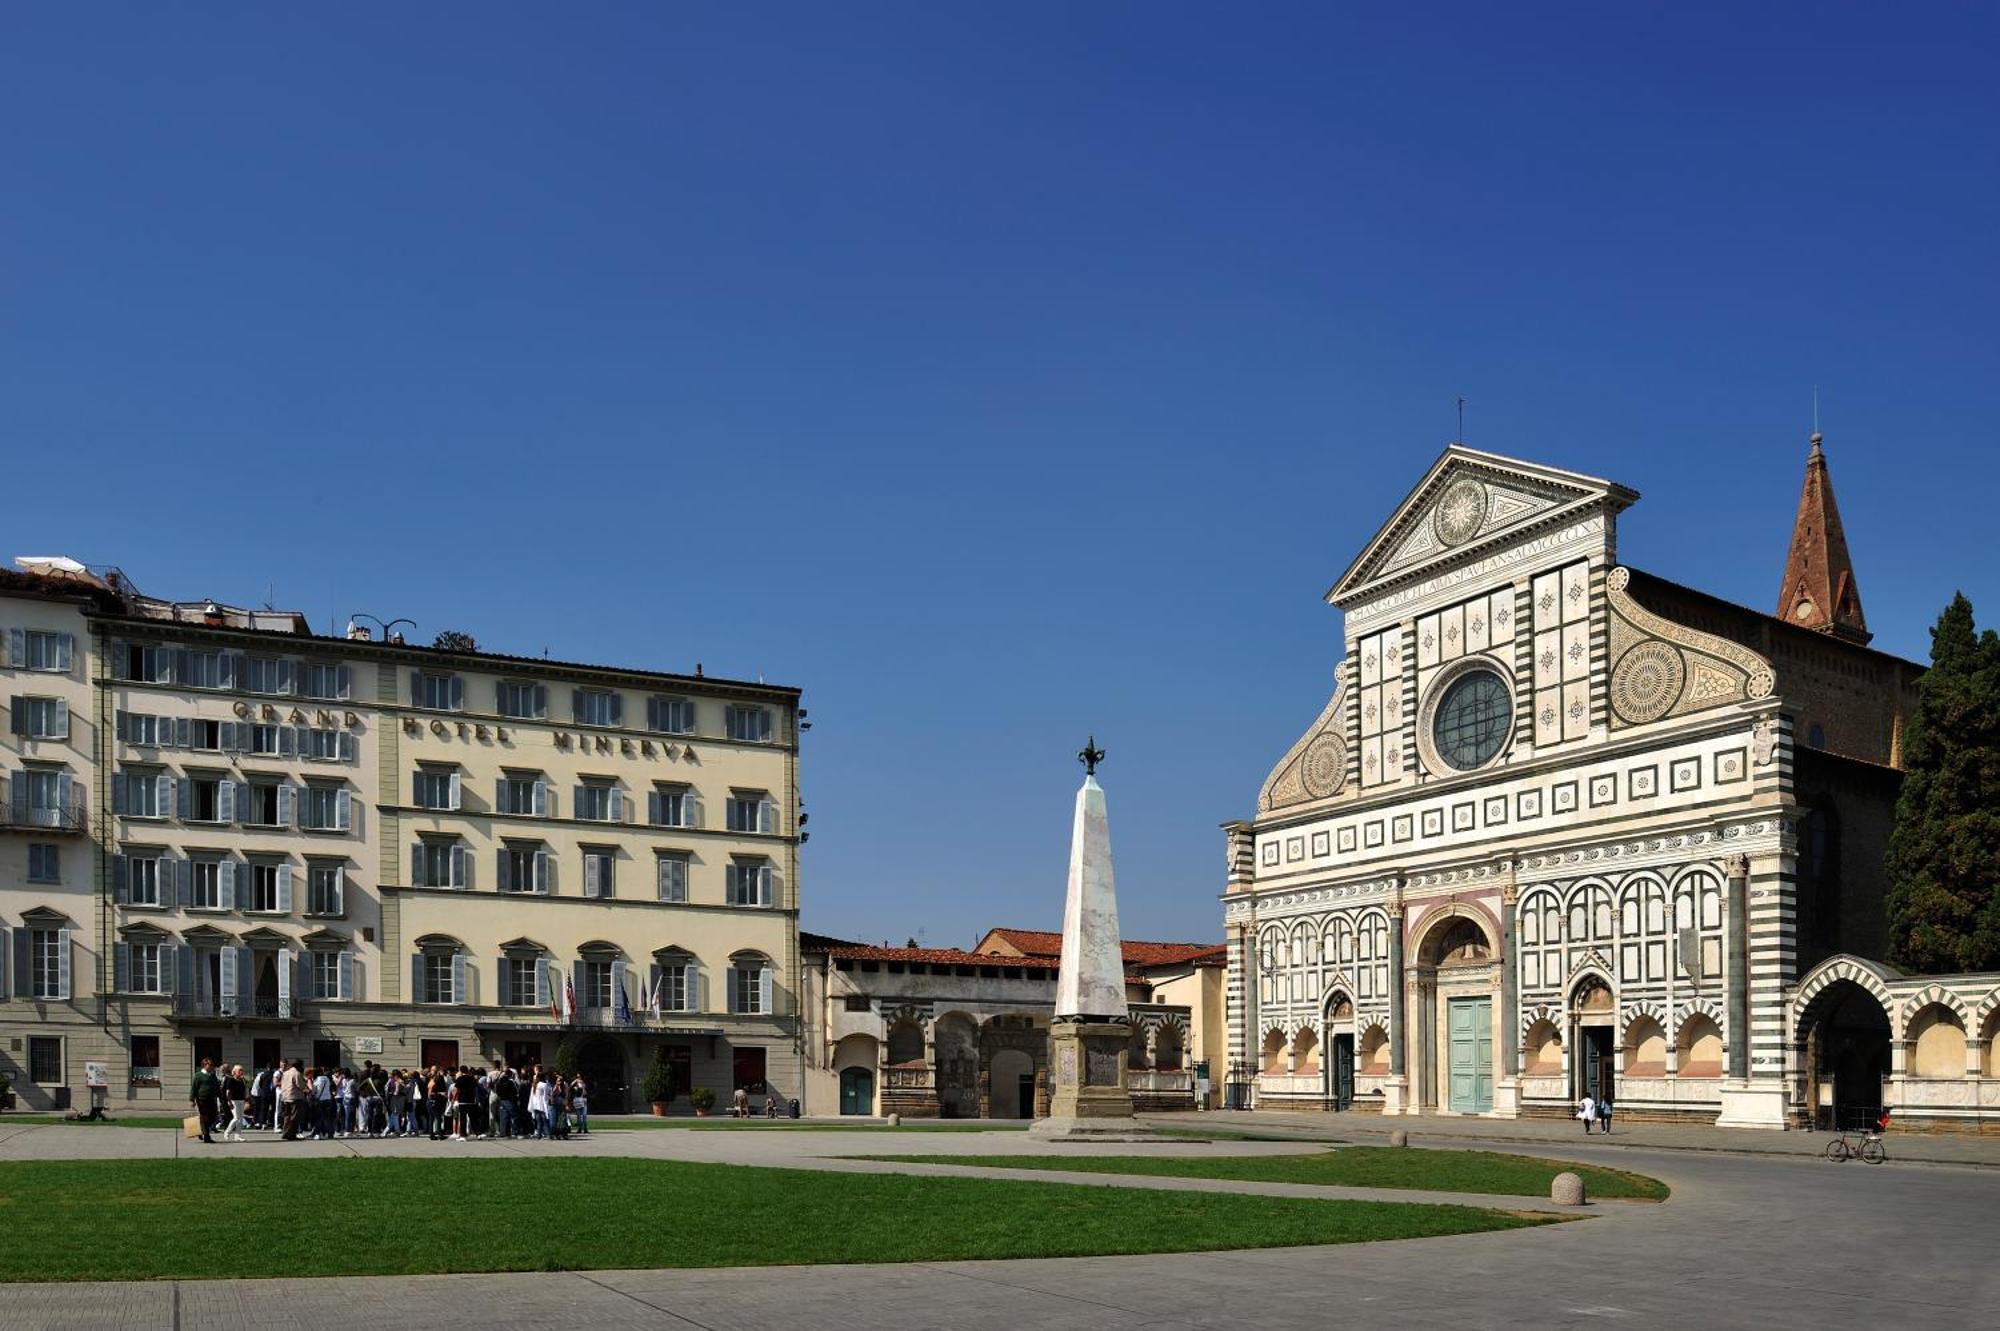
(145, 1060)
(144, 880)
(147, 665)
(322, 680)
(44, 862)
(671, 716)
(597, 871)
(46, 797)
(45, 1060)
(523, 981)
(208, 799)
(750, 985)
(48, 964)
(855, 1003)
(528, 701)
(141, 793)
(596, 707)
(140, 728)
(267, 674)
(751, 724)
(1472, 720)
(436, 788)
(440, 693)
(752, 811)
(326, 887)
(526, 866)
(38, 649)
(522, 793)
(205, 735)
(325, 745)
(600, 802)
(270, 888)
(265, 803)
(748, 883)
(674, 975)
(439, 862)
(441, 971)
(204, 670)
(205, 875)
(265, 740)
(593, 984)
(143, 970)
(672, 872)
(327, 807)
(40, 718)
(672, 806)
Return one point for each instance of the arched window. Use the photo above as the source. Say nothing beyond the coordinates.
(906, 1042)
(752, 989)
(1167, 1048)
(1543, 1048)
(1700, 1052)
(1305, 1051)
(1645, 1048)
(1274, 1051)
(1375, 1051)
(1937, 1043)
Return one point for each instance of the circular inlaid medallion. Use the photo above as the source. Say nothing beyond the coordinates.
(1646, 682)
(1325, 766)
(1461, 512)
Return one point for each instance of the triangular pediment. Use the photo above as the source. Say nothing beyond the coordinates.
(1468, 504)
(264, 937)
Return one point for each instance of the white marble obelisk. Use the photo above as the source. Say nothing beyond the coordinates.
(1091, 984)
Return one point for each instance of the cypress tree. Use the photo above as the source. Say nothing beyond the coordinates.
(1944, 850)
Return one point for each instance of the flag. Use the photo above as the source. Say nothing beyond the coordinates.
(569, 999)
(653, 999)
(621, 1006)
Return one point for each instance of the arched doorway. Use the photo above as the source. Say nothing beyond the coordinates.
(1012, 1077)
(1340, 1052)
(602, 1062)
(854, 1060)
(1594, 1013)
(955, 1042)
(1845, 1030)
(1457, 981)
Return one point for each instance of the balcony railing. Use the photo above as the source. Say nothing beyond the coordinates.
(241, 1008)
(69, 814)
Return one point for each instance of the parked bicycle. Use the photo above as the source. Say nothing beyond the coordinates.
(1860, 1139)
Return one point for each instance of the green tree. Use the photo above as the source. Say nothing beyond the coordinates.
(569, 1056)
(1944, 852)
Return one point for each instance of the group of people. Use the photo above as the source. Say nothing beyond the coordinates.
(456, 1104)
(1594, 1110)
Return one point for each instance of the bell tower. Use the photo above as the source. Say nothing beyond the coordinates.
(1819, 591)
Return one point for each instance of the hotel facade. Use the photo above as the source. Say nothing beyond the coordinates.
(224, 836)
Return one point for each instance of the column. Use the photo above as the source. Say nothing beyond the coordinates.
(1510, 1017)
(1736, 959)
(1397, 1007)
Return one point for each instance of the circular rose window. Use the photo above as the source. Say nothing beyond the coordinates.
(1472, 720)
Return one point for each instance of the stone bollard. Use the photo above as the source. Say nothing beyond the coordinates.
(895, 1120)
(1399, 1138)
(1566, 1190)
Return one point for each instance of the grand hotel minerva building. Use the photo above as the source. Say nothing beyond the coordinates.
(1567, 827)
(225, 836)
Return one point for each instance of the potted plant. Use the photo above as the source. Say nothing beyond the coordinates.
(659, 1084)
(703, 1100)
(6, 1092)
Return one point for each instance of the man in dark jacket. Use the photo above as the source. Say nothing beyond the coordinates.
(206, 1096)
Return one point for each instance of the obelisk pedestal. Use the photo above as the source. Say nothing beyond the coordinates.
(1091, 1033)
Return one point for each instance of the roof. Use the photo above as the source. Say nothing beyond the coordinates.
(933, 956)
(1041, 943)
(1740, 623)
(1819, 591)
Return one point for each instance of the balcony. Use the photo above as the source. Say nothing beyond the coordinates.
(68, 814)
(208, 1007)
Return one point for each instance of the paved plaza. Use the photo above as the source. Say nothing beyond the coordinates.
(1766, 1238)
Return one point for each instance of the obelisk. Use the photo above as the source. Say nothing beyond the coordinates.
(1091, 1031)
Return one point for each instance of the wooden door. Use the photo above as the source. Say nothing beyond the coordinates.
(857, 1091)
(1343, 1072)
(1471, 1064)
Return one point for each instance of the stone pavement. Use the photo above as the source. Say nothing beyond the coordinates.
(1763, 1240)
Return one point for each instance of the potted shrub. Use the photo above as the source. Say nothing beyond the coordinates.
(659, 1084)
(703, 1100)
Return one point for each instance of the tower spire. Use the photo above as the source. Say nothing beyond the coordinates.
(1819, 591)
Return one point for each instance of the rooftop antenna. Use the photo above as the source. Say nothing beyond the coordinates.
(1815, 433)
(1461, 420)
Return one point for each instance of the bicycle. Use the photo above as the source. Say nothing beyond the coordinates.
(1862, 1141)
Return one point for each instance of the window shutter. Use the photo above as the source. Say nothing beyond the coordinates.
(764, 990)
(163, 731)
(417, 979)
(343, 681)
(697, 987)
(288, 741)
(541, 804)
(170, 967)
(764, 884)
(121, 967)
(346, 990)
(500, 795)
(417, 788)
(288, 676)
(617, 709)
(617, 804)
(653, 714)
(183, 875)
(288, 805)
(545, 871)
(591, 867)
(461, 868)
(416, 688)
(618, 985)
(459, 991)
(20, 953)
(225, 879)
(284, 889)
(541, 981)
(456, 795)
(729, 984)
(18, 712)
(576, 794)
(457, 694)
(343, 810)
(120, 872)
(182, 728)
(767, 815)
(346, 746)
(121, 726)
(225, 801)
(662, 871)
(174, 795)
(690, 808)
(417, 864)
(17, 648)
(118, 790)
(653, 814)
(65, 649)
(62, 719)
(652, 987)
(576, 705)
(503, 875)
(62, 963)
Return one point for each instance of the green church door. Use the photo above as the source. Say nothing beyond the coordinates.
(1471, 1055)
(1343, 1072)
(857, 1091)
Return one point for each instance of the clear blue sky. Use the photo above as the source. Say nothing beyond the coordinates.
(995, 373)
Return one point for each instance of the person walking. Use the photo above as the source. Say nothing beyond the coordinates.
(292, 1093)
(259, 1084)
(236, 1098)
(538, 1109)
(1586, 1109)
(204, 1097)
(1604, 1112)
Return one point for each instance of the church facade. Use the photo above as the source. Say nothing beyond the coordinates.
(1564, 827)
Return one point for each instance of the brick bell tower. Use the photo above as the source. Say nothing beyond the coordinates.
(1819, 591)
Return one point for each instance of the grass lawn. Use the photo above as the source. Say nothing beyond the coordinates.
(1348, 1166)
(116, 1121)
(106, 1220)
(785, 1124)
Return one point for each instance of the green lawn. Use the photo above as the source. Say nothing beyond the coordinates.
(106, 1220)
(1348, 1166)
(117, 1121)
(785, 1124)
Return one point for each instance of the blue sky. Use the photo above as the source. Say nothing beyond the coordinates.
(995, 373)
